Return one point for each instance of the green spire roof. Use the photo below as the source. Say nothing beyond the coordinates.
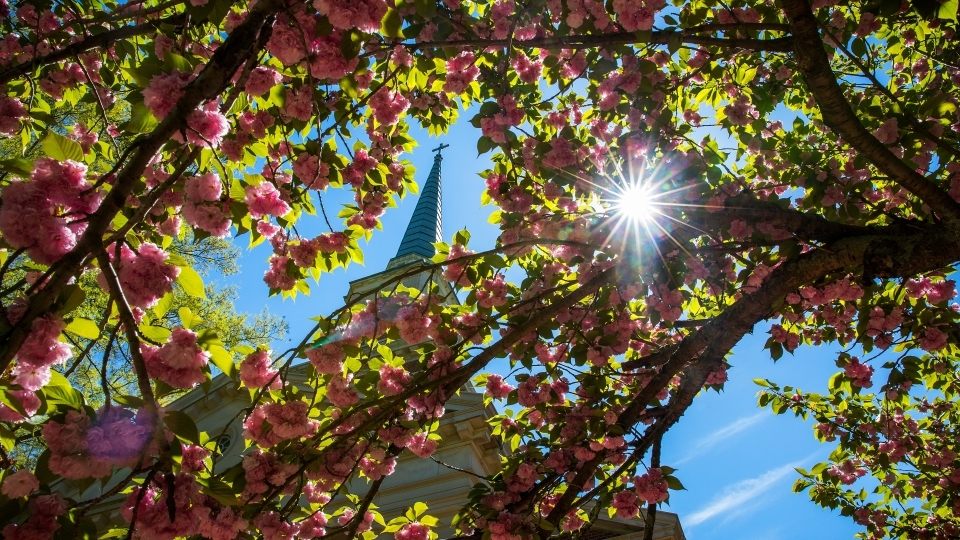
(425, 226)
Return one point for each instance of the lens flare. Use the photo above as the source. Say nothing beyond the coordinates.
(635, 202)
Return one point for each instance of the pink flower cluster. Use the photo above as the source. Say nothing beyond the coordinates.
(256, 371)
(41, 350)
(310, 171)
(261, 80)
(934, 291)
(496, 387)
(456, 272)
(339, 391)
(364, 15)
(202, 208)
(636, 15)
(19, 484)
(11, 111)
(263, 470)
(461, 71)
(888, 132)
(277, 276)
(626, 504)
(265, 199)
(298, 103)
(153, 511)
(272, 423)
(42, 523)
(651, 487)
(29, 216)
(207, 126)
(164, 91)
(393, 380)
(413, 531)
(493, 292)
(327, 359)
(180, 362)
(388, 105)
(669, 303)
(84, 448)
(847, 471)
(144, 275)
(789, 340)
(860, 373)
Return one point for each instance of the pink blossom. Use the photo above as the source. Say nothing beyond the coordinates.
(205, 188)
(264, 199)
(179, 362)
(388, 105)
(496, 387)
(144, 275)
(860, 373)
(19, 484)
(933, 339)
(413, 531)
(261, 80)
(393, 380)
(192, 458)
(164, 91)
(298, 103)
(256, 371)
(277, 277)
(888, 132)
(11, 111)
(651, 487)
(207, 126)
(421, 445)
(83, 448)
(625, 503)
(364, 15)
(153, 515)
(42, 511)
(339, 391)
(327, 359)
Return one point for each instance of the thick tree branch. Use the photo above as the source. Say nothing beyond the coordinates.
(660, 37)
(814, 66)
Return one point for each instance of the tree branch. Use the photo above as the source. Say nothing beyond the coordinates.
(835, 110)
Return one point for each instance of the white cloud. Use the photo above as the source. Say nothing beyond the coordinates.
(725, 432)
(738, 495)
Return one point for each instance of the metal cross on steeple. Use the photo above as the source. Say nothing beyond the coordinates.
(426, 225)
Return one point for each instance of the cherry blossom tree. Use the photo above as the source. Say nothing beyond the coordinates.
(666, 178)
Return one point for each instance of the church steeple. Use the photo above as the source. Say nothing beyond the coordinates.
(426, 224)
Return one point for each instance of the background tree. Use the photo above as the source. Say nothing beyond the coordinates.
(668, 178)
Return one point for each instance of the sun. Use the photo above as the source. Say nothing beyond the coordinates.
(634, 201)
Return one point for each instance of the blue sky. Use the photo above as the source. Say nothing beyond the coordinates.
(735, 460)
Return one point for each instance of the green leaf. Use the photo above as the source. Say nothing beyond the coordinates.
(173, 61)
(61, 148)
(426, 8)
(84, 328)
(674, 484)
(948, 10)
(223, 360)
(17, 166)
(187, 318)
(392, 24)
(191, 282)
(221, 491)
(155, 333)
(163, 306)
(141, 119)
(74, 296)
(181, 425)
(65, 395)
